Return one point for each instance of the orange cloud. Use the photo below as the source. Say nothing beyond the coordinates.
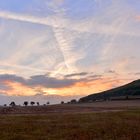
(80, 87)
(19, 89)
(84, 88)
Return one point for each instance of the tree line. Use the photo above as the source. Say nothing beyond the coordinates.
(32, 103)
(26, 103)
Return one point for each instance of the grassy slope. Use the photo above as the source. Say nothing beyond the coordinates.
(100, 126)
(131, 89)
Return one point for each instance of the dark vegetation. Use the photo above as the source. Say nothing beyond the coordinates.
(126, 92)
(62, 102)
(91, 126)
(25, 103)
(37, 103)
(12, 104)
(32, 103)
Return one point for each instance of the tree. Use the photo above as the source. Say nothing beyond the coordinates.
(5, 105)
(48, 103)
(25, 103)
(73, 101)
(37, 103)
(12, 104)
(32, 103)
(62, 102)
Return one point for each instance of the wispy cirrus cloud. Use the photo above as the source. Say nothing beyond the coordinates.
(77, 74)
(65, 45)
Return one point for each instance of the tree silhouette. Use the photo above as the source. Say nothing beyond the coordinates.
(62, 102)
(32, 103)
(12, 104)
(25, 103)
(73, 101)
(37, 103)
(48, 103)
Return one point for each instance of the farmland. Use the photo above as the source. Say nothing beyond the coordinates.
(67, 122)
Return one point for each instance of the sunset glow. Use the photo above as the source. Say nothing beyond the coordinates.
(66, 47)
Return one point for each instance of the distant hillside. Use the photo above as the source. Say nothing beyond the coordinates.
(128, 91)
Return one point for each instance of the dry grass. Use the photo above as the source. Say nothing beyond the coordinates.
(89, 126)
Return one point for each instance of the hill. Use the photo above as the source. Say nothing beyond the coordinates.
(128, 91)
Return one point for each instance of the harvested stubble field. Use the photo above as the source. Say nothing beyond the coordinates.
(70, 124)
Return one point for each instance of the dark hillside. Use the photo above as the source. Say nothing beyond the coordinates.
(128, 91)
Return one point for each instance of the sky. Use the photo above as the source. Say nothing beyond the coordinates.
(54, 50)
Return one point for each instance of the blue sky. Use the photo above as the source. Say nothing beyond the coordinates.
(55, 38)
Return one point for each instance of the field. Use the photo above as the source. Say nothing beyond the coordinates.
(71, 122)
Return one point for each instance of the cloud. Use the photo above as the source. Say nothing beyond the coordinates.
(51, 82)
(39, 81)
(138, 73)
(4, 87)
(111, 71)
(95, 77)
(45, 85)
(66, 45)
(41, 85)
(77, 74)
(35, 84)
(66, 31)
(28, 18)
(59, 21)
(56, 23)
(10, 77)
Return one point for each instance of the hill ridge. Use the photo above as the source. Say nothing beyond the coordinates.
(127, 91)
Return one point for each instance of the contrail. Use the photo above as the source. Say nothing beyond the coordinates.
(58, 24)
(54, 22)
(89, 26)
(26, 18)
(21, 67)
